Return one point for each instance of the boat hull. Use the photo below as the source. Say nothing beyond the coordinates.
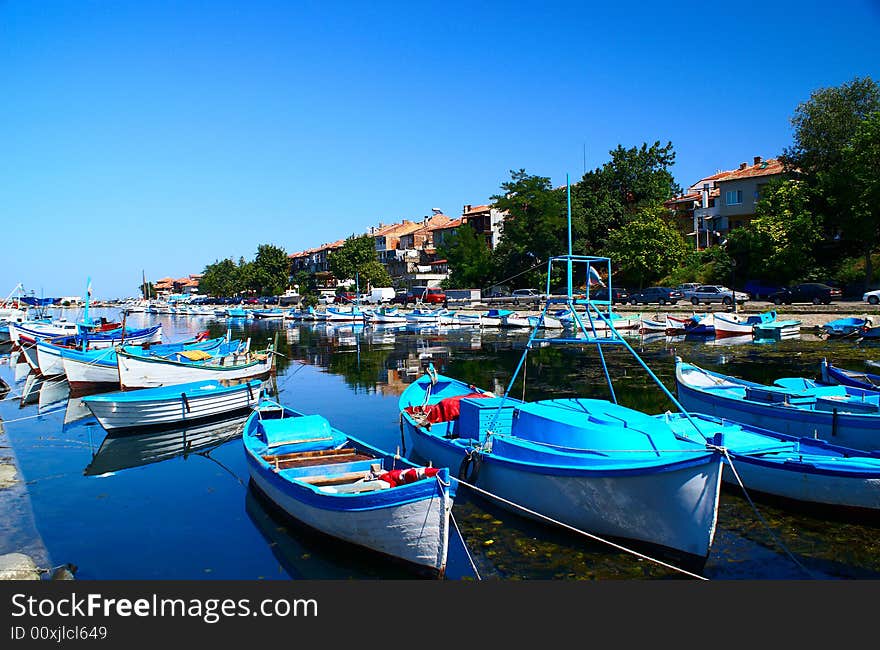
(143, 372)
(663, 504)
(118, 411)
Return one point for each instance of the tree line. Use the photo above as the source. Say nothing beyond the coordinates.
(820, 221)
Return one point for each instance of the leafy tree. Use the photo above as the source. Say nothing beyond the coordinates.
(357, 257)
(534, 228)
(825, 127)
(861, 166)
(220, 278)
(784, 233)
(607, 198)
(148, 291)
(271, 270)
(469, 259)
(646, 248)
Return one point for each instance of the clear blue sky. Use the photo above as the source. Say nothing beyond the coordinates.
(161, 136)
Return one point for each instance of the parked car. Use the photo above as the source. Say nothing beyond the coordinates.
(431, 295)
(618, 294)
(757, 289)
(709, 293)
(814, 292)
(525, 295)
(498, 291)
(660, 295)
(688, 288)
(345, 297)
(872, 297)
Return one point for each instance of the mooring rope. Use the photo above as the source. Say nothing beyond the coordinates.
(466, 550)
(582, 532)
(760, 517)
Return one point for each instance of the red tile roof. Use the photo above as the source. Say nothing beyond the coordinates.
(770, 167)
(478, 208)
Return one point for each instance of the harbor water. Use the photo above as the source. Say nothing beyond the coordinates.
(178, 504)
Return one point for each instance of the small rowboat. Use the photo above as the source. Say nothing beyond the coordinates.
(843, 327)
(834, 375)
(778, 329)
(347, 489)
(172, 405)
(740, 324)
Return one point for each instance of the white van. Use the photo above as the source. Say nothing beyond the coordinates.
(382, 294)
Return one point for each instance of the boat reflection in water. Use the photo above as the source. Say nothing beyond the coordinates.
(128, 450)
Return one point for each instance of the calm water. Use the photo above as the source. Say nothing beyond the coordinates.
(177, 505)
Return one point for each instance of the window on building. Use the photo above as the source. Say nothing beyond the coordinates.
(733, 197)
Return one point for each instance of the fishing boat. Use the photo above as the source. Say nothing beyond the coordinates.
(832, 375)
(94, 369)
(49, 352)
(700, 325)
(343, 314)
(343, 487)
(558, 460)
(139, 370)
(237, 312)
(493, 317)
(844, 327)
(837, 480)
(676, 325)
(275, 313)
(467, 320)
(172, 405)
(128, 449)
(797, 406)
(653, 325)
(385, 315)
(740, 324)
(439, 316)
(777, 329)
(870, 333)
(601, 321)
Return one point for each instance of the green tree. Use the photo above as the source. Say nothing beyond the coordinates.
(782, 237)
(534, 228)
(271, 270)
(607, 198)
(357, 257)
(469, 259)
(861, 166)
(220, 279)
(148, 291)
(646, 248)
(825, 126)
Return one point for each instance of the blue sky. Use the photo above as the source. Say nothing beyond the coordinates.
(161, 136)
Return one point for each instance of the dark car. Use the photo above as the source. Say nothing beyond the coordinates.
(814, 292)
(660, 295)
(618, 294)
(413, 296)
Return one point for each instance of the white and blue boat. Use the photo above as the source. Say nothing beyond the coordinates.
(618, 475)
(49, 351)
(797, 406)
(494, 317)
(384, 315)
(94, 369)
(172, 405)
(700, 325)
(833, 375)
(777, 329)
(843, 327)
(345, 488)
(803, 472)
(740, 324)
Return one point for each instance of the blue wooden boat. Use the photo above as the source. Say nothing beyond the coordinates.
(700, 325)
(237, 312)
(870, 333)
(805, 472)
(614, 474)
(833, 375)
(842, 327)
(343, 487)
(172, 405)
(797, 406)
(740, 324)
(777, 329)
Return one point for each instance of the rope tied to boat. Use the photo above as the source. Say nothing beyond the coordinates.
(742, 486)
(582, 532)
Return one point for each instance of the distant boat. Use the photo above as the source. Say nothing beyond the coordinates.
(385, 315)
(268, 314)
(843, 327)
(347, 489)
(700, 325)
(740, 324)
(777, 329)
(172, 405)
(833, 375)
(494, 317)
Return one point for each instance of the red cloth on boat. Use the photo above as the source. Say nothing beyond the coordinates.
(397, 477)
(444, 410)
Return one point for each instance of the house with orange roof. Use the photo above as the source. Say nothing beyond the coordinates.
(716, 204)
(486, 222)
